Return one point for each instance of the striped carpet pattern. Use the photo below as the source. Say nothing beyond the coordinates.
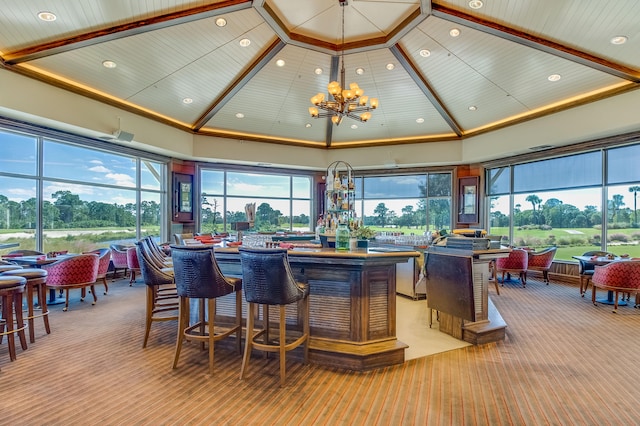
(564, 362)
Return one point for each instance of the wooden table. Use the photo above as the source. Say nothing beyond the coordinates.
(352, 303)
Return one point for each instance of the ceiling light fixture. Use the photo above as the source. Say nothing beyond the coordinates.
(619, 40)
(187, 101)
(390, 66)
(221, 22)
(475, 4)
(347, 102)
(109, 64)
(47, 16)
(554, 77)
(425, 53)
(245, 42)
(280, 62)
(318, 71)
(454, 32)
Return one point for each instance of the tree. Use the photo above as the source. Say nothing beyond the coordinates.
(635, 190)
(535, 201)
(381, 212)
(615, 203)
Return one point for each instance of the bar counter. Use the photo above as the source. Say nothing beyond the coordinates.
(352, 300)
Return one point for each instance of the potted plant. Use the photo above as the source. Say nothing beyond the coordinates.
(364, 234)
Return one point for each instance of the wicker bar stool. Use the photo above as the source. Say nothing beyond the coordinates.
(268, 280)
(199, 278)
(36, 283)
(11, 289)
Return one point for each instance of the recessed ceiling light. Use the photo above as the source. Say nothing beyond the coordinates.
(221, 22)
(359, 71)
(280, 62)
(473, 108)
(239, 115)
(354, 126)
(475, 4)
(109, 64)
(187, 101)
(425, 53)
(390, 66)
(554, 77)
(245, 42)
(619, 40)
(318, 71)
(47, 16)
(307, 125)
(419, 120)
(454, 32)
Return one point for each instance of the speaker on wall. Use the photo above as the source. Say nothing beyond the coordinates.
(121, 135)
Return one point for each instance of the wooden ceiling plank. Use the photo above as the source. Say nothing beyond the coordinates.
(125, 30)
(534, 42)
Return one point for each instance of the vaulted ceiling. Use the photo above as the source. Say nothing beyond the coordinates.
(171, 61)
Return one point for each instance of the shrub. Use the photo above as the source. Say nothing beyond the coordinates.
(635, 236)
(618, 237)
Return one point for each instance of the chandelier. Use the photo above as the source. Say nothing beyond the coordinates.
(345, 101)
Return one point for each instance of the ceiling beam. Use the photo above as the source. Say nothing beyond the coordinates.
(125, 30)
(534, 42)
(426, 88)
(239, 83)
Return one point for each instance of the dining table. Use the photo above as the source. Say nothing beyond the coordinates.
(36, 261)
(600, 261)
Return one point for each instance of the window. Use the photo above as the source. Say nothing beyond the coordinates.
(412, 204)
(282, 201)
(85, 196)
(579, 203)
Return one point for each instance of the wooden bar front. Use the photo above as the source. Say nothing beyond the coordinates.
(352, 298)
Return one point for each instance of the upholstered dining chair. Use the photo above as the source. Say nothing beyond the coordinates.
(132, 264)
(541, 261)
(267, 280)
(515, 263)
(78, 271)
(586, 269)
(119, 258)
(104, 259)
(161, 299)
(198, 278)
(621, 276)
(179, 238)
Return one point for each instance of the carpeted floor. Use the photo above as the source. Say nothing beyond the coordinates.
(564, 362)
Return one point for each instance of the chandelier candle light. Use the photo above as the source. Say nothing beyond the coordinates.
(347, 102)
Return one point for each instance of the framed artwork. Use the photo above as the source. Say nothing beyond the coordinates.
(182, 197)
(468, 200)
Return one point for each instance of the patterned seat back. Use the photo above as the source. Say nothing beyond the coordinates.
(541, 260)
(104, 257)
(518, 260)
(79, 269)
(119, 256)
(623, 274)
(151, 273)
(197, 274)
(132, 258)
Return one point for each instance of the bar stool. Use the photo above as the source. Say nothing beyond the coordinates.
(198, 278)
(9, 267)
(36, 281)
(268, 280)
(11, 289)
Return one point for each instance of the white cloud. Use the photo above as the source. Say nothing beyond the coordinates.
(121, 179)
(99, 169)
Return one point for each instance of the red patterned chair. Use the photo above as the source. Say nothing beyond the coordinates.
(619, 277)
(541, 261)
(104, 258)
(119, 258)
(516, 263)
(78, 271)
(133, 264)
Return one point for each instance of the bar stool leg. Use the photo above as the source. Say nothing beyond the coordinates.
(20, 320)
(248, 340)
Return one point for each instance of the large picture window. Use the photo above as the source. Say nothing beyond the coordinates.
(579, 203)
(282, 201)
(74, 195)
